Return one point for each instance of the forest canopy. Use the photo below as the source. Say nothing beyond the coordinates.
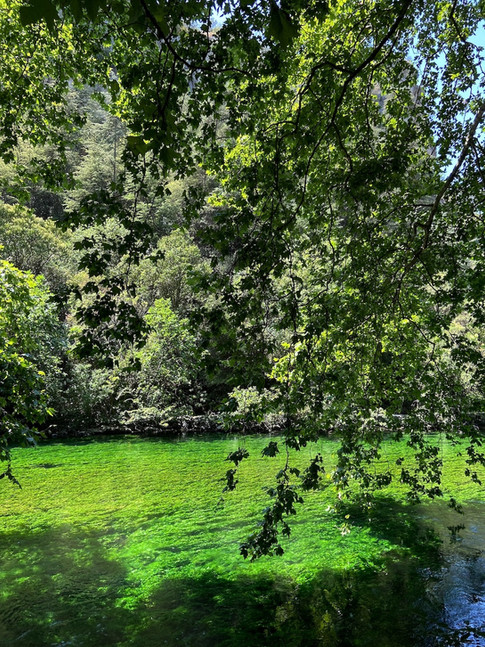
(327, 160)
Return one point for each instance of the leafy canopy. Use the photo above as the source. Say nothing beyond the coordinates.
(346, 142)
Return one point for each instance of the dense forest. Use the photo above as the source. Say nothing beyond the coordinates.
(245, 215)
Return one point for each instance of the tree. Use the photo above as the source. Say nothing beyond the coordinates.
(36, 245)
(168, 277)
(346, 139)
(25, 319)
(166, 384)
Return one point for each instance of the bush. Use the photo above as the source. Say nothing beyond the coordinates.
(167, 383)
(28, 350)
(87, 399)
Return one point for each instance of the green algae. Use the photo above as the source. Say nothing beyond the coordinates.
(128, 542)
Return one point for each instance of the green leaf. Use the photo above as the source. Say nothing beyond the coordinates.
(159, 13)
(136, 144)
(92, 8)
(271, 449)
(36, 11)
(281, 28)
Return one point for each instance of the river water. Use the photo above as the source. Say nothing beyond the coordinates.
(128, 542)
(458, 585)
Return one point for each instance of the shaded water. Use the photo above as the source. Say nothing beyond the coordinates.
(126, 542)
(458, 585)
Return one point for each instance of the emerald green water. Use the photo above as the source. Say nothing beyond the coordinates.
(127, 542)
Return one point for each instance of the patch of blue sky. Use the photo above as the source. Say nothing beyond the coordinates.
(473, 97)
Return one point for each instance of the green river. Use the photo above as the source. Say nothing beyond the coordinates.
(127, 542)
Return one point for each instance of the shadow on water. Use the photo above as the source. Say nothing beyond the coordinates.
(60, 588)
(443, 582)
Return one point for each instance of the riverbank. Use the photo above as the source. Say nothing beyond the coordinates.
(184, 426)
(212, 424)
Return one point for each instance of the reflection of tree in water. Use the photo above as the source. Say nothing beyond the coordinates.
(457, 587)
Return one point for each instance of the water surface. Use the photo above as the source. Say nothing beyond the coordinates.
(127, 542)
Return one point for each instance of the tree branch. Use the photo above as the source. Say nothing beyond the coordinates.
(469, 141)
(447, 183)
(191, 66)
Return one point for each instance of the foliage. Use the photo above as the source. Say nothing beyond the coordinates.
(36, 245)
(167, 277)
(99, 160)
(167, 382)
(344, 214)
(26, 322)
(246, 408)
(85, 398)
(341, 207)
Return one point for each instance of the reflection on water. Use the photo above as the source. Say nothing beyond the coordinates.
(459, 585)
(70, 593)
(462, 589)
